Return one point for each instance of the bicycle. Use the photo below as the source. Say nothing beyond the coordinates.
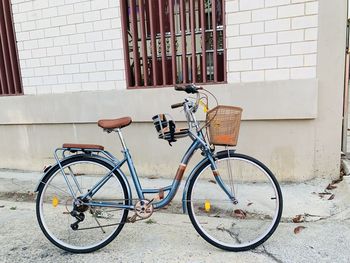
(233, 200)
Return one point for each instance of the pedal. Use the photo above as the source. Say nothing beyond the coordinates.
(131, 219)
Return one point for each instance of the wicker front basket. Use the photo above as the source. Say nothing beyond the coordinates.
(223, 124)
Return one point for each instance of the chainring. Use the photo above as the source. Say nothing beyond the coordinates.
(144, 209)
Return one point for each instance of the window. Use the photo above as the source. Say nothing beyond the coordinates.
(169, 42)
(10, 82)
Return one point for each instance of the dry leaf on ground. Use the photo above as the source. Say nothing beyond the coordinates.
(298, 219)
(323, 194)
(337, 181)
(331, 197)
(331, 187)
(298, 229)
(239, 214)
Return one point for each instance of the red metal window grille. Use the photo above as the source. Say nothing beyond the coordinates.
(10, 80)
(169, 42)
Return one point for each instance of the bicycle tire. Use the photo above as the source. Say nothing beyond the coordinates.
(96, 215)
(230, 234)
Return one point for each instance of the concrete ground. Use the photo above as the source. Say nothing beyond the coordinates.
(171, 237)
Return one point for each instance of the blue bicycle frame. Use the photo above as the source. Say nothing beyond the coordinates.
(198, 143)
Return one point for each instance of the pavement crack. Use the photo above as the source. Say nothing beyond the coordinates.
(230, 232)
(268, 254)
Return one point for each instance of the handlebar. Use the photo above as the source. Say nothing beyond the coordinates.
(177, 105)
(190, 89)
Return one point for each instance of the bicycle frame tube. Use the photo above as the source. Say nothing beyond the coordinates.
(179, 174)
(172, 189)
(102, 182)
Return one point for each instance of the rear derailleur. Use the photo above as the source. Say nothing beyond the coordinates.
(78, 213)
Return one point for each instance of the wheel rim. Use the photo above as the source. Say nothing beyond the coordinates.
(55, 204)
(240, 226)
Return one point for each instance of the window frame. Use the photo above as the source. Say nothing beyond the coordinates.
(135, 77)
(10, 75)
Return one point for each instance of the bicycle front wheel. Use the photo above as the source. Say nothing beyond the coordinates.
(84, 228)
(243, 223)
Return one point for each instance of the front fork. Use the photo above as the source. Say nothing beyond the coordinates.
(230, 194)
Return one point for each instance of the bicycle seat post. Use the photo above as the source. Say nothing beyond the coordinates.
(120, 135)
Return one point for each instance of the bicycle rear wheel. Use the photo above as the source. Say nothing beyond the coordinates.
(221, 222)
(99, 225)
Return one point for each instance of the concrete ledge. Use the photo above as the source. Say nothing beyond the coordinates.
(276, 100)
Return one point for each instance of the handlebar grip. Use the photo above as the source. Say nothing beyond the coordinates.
(177, 105)
(190, 89)
(179, 88)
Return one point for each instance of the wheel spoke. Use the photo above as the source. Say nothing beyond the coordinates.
(62, 219)
(227, 224)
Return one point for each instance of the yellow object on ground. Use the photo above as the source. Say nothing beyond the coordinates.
(55, 201)
(207, 206)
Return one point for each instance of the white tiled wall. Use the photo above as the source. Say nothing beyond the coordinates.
(76, 45)
(271, 39)
(69, 45)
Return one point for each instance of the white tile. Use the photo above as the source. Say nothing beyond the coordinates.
(87, 67)
(252, 52)
(54, 51)
(50, 12)
(233, 54)
(277, 25)
(240, 41)
(290, 61)
(92, 16)
(269, 3)
(311, 33)
(96, 56)
(77, 38)
(70, 69)
(85, 27)
(264, 39)
(264, 63)
(310, 60)
(251, 4)
(97, 76)
(304, 47)
(102, 25)
(240, 65)
(239, 18)
(291, 10)
(59, 21)
(251, 28)
(63, 60)
(290, 36)
(277, 50)
(65, 10)
(68, 30)
(312, 8)
(75, 19)
(305, 22)
(264, 14)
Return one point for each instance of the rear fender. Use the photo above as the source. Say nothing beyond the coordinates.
(48, 169)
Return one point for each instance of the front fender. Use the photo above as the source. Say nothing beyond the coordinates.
(199, 166)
